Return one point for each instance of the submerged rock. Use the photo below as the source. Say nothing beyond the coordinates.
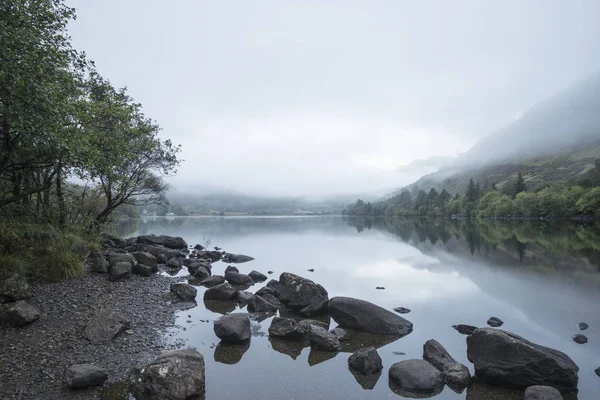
(321, 339)
(177, 375)
(505, 359)
(19, 313)
(542, 393)
(464, 329)
(435, 354)
(184, 291)
(367, 361)
(104, 326)
(368, 317)
(495, 322)
(416, 376)
(233, 328)
(302, 295)
(85, 375)
(580, 339)
(224, 291)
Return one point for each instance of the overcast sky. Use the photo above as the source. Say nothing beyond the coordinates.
(319, 97)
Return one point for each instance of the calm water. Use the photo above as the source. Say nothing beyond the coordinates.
(541, 279)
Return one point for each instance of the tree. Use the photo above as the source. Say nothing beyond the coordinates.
(472, 194)
(519, 185)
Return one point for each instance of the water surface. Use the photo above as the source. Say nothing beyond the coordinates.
(541, 279)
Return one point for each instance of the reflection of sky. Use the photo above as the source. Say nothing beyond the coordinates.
(441, 290)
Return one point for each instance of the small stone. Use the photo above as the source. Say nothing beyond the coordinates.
(285, 328)
(580, 339)
(269, 272)
(583, 326)
(402, 310)
(311, 270)
(367, 361)
(399, 353)
(495, 322)
(380, 288)
(85, 375)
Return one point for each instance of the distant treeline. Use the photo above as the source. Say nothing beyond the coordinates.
(559, 200)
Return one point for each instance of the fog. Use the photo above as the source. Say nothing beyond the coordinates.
(314, 97)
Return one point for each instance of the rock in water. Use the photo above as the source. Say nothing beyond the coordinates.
(285, 328)
(85, 375)
(257, 276)
(233, 328)
(340, 333)
(243, 296)
(367, 361)
(495, 322)
(237, 258)
(18, 313)
(321, 339)
(582, 326)
(213, 281)
(259, 304)
(416, 376)
(163, 240)
(580, 339)
(302, 295)
(224, 291)
(435, 354)
(402, 310)
(119, 271)
(201, 273)
(368, 317)
(505, 359)
(178, 375)
(542, 393)
(13, 288)
(104, 326)
(184, 291)
(457, 375)
(597, 371)
(236, 278)
(464, 329)
(304, 326)
(231, 268)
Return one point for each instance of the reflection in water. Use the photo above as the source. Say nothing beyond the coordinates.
(287, 313)
(413, 395)
(367, 382)
(356, 340)
(230, 353)
(318, 356)
(220, 306)
(292, 348)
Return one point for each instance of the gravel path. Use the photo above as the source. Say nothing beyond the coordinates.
(33, 359)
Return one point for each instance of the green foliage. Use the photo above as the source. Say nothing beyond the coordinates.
(589, 203)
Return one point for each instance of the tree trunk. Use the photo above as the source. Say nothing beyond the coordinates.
(62, 213)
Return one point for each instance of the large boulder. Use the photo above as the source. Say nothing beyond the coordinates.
(505, 359)
(224, 291)
(169, 242)
(119, 271)
(98, 263)
(85, 375)
(284, 328)
(368, 317)
(302, 295)
(13, 288)
(542, 393)
(235, 278)
(416, 376)
(178, 375)
(184, 291)
(435, 354)
(18, 313)
(233, 328)
(104, 326)
(367, 361)
(321, 339)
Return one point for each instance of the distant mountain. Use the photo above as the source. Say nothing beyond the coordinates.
(427, 165)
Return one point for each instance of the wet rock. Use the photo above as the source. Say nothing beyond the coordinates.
(435, 354)
(184, 291)
(257, 276)
(284, 328)
(178, 375)
(367, 361)
(231, 268)
(14, 288)
(340, 333)
(104, 326)
(213, 281)
(583, 326)
(236, 278)
(96, 262)
(495, 322)
(173, 262)
(304, 326)
(464, 329)
(243, 296)
(505, 359)
(237, 258)
(145, 258)
(120, 271)
(580, 339)
(402, 310)
(542, 393)
(224, 291)
(368, 317)
(302, 295)
(233, 328)
(201, 273)
(18, 313)
(416, 376)
(457, 376)
(85, 375)
(321, 339)
(212, 256)
(259, 304)
(169, 242)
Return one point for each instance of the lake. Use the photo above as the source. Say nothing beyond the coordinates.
(540, 278)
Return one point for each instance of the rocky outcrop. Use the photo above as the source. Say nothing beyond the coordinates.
(284, 328)
(542, 393)
(416, 376)
(169, 242)
(435, 354)
(184, 291)
(233, 328)
(368, 317)
(366, 361)
(321, 339)
(223, 291)
(104, 326)
(84, 375)
(302, 295)
(18, 313)
(178, 375)
(505, 359)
